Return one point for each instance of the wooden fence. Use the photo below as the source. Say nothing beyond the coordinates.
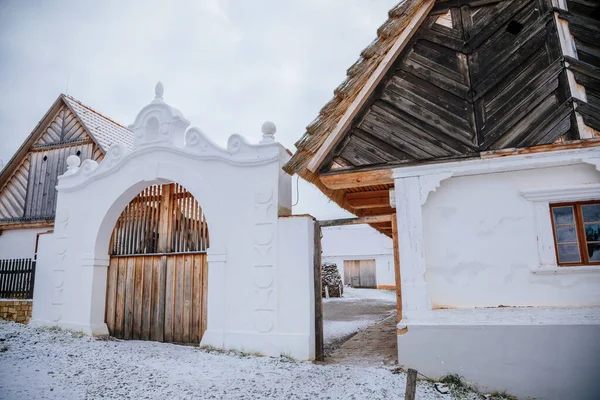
(17, 278)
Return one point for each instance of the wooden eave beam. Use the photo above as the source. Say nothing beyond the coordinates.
(370, 199)
(377, 219)
(415, 22)
(5, 226)
(357, 179)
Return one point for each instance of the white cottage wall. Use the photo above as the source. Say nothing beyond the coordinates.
(360, 242)
(481, 245)
(19, 243)
(476, 235)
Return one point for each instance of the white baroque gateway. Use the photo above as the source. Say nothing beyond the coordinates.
(180, 239)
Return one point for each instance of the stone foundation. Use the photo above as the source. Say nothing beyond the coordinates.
(16, 310)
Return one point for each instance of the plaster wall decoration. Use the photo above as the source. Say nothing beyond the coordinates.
(264, 271)
(58, 271)
(430, 183)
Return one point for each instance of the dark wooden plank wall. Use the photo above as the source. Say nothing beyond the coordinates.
(46, 165)
(492, 79)
(584, 24)
(17, 278)
(30, 193)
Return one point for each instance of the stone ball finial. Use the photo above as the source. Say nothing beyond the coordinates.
(73, 161)
(159, 90)
(268, 130)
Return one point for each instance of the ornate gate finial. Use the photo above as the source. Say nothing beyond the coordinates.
(268, 130)
(159, 89)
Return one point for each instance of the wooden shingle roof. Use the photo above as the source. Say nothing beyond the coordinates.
(348, 91)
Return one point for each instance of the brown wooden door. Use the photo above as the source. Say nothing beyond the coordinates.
(360, 273)
(157, 277)
(157, 297)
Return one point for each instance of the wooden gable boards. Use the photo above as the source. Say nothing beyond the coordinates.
(27, 183)
(472, 79)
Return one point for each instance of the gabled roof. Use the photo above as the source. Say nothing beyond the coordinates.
(349, 90)
(447, 80)
(104, 131)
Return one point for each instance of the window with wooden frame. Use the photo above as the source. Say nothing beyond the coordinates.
(576, 232)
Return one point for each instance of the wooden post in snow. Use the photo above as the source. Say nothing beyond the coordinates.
(411, 384)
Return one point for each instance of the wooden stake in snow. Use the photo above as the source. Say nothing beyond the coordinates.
(411, 384)
(326, 292)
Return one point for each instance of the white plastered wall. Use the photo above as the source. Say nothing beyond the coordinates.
(240, 191)
(19, 243)
(475, 236)
(481, 243)
(360, 242)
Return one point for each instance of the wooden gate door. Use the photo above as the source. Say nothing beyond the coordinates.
(157, 275)
(360, 273)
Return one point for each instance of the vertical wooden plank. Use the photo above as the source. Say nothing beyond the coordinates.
(146, 298)
(319, 353)
(204, 305)
(179, 299)
(160, 319)
(187, 297)
(164, 220)
(129, 296)
(111, 294)
(154, 328)
(196, 298)
(138, 301)
(169, 299)
(367, 274)
(397, 267)
(176, 215)
(145, 220)
(29, 196)
(120, 303)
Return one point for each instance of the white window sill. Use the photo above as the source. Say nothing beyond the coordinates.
(556, 270)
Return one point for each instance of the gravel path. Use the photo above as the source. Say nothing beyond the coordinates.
(40, 363)
(358, 310)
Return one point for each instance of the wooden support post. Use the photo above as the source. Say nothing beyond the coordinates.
(411, 384)
(397, 276)
(319, 351)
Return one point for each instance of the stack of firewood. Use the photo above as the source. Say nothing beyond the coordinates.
(332, 285)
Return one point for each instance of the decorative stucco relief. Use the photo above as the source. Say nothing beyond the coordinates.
(264, 271)
(58, 271)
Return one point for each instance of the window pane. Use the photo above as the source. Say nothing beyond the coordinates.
(568, 253)
(565, 234)
(591, 212)
(592, 232)
(594, 251)
(563, 215)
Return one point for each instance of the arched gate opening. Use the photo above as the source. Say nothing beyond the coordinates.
(157, 276)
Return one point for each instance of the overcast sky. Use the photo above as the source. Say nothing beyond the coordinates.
(227, 65)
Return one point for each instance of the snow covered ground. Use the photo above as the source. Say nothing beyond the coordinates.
(40, 363)
(357, 310)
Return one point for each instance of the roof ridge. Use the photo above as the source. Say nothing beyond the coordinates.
(94, 111)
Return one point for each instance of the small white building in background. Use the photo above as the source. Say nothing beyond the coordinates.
(364, 257)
